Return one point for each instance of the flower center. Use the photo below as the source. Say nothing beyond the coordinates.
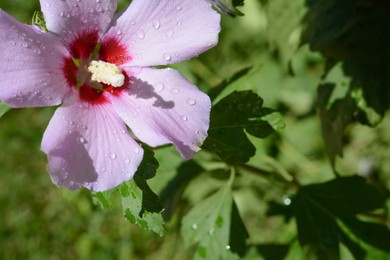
(107, 73)
(93, 67)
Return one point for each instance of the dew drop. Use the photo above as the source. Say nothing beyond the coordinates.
(211, 231)
(119, 32)
(178, 8)
(113, 156)
(156, 24)
(136, 150)
(194, 226)
(169, 33)
(178, 23)
(159, 87)
(227, 247)
(184, 118)
(141, 35)
(191, 101)
(127, 160)
(175, 91)
(167, 57)
(103, 169)
(82, 140)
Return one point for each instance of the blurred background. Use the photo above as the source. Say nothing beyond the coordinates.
(40, 221)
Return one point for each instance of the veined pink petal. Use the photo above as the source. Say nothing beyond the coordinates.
(164, 32)
(89, 146)
(162, 107)
(31, 65)
(69, 18)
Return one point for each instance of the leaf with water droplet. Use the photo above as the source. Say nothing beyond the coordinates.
(209, 225)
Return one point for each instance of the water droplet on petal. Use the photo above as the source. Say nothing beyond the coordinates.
(169, 33)
(127, 160)
(159, 87)
(141, 35)
(175, 91)
(119, 32)
(178, 8)
(82, 140)
(191, 101)
(136, 150)
(156, 24)
(167, 57)
(184, 118)
(113, 156)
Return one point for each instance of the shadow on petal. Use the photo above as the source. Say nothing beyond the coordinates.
(143, 90)
(70, 164)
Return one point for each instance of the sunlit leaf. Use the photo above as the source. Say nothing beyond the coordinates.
(141, 206)
(285, 25)
(133, 210)
(208, 225)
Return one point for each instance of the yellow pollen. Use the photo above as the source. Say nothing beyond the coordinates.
(107, 73)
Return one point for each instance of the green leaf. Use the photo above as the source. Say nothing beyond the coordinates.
(102, 199)
(319, 207)
(133, 209)
(284, 25)
(334, 120)
(230, 117)
(141, 206)
(238, 232)
(4, 108)
(39, 21)
(171, 194)
(372, 233)
(347, 196)
(273, 251)
(356, 33)
(208, 225)
(149, 165)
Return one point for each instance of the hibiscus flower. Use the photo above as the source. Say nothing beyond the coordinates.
(99, 67)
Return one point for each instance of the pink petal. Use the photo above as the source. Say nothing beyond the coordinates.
(89, 146)
(30, 65)
(163, 32)
(68, 18)
(162, 107)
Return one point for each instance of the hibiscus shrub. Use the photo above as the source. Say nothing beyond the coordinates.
(195, 129)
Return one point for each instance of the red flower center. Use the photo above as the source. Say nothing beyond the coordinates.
(84, 49)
